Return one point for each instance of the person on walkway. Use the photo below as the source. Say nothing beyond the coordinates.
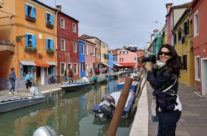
(28, 80)
(163, 77)
(70, 76)
(12, 79)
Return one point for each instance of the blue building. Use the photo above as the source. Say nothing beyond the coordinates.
(111, 61)
(81, 46)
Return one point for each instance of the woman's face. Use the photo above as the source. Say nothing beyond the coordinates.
(164, 55)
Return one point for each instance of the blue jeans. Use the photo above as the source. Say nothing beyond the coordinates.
(12, 85)
(167, 123)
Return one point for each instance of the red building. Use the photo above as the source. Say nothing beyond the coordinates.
(67, 44)
(199, 20)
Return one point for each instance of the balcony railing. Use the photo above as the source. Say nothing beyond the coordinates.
(7, 46)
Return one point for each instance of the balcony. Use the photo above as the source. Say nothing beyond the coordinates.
(7, 46)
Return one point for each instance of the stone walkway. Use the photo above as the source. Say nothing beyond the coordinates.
(193, 121)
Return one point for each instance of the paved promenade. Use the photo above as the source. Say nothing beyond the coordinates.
(193, 121)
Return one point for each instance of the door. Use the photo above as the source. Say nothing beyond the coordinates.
(204, 75)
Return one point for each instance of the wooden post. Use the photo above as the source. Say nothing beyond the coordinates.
(120, 107)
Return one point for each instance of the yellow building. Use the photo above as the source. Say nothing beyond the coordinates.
(183, 45)
(104, 54)
(31, 27)
(164, 34)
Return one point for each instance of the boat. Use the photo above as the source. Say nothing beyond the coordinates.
(75, 86)
(133, 86)
(106, 107)
(97, 79)
(17, 103)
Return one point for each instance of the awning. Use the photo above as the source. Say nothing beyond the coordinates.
(52, 63)
(41, 63)
(118, 65)
(104, 64)
(128, 64)
(28, 63)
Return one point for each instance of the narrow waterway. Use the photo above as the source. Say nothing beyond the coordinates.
(70, 114)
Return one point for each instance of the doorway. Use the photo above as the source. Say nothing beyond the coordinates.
(204, 75)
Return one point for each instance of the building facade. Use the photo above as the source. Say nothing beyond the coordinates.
(67, 42)
(104, 55)
(32, 28)
(81, 46)
(199, 20)
(183, 45)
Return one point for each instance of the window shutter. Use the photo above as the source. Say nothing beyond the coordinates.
(33, 41)
(26, 40)
(46, 44)
(53, 70)
(51, 19)
(26, 9)
(46, 17)
(52, 45)
(33, 12)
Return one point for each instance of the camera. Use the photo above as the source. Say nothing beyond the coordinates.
(150, 58)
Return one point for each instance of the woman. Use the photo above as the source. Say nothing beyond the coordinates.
(12, 79)
(28, 81)
(164, 74)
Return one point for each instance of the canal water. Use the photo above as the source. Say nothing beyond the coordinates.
(70, 114)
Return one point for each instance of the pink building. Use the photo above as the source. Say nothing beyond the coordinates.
(89, 56)
(127, 59)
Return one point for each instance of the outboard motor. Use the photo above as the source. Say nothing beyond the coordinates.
(45, 131)
(107, 106)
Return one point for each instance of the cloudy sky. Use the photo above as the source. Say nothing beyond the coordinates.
(117, 22)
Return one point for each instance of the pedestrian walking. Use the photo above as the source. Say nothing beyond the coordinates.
(70, 76)
(12, 79)
(28, 81)
(163, 77)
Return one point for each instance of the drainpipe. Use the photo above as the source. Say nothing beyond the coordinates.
(56, 37)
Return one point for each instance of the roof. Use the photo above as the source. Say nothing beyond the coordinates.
(68, 16)
(86, 41)
(184, 5)
(85, 36)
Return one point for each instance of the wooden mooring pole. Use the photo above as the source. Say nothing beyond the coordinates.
(120, 107)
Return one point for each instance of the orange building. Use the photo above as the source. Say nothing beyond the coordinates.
(30, 27)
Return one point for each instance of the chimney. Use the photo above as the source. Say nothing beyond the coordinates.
(168, 6)
(59, 7)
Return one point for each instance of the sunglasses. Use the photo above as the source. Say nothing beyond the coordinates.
(165, 53)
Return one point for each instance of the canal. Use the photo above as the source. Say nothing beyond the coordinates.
(70, 114)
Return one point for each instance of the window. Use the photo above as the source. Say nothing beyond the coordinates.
(51, 70)
(197, 68)
(184, 62)
(75, 69)
(86, 49)
(62, 23)
(50, 44)
(63, 44)
(74, 28)
(121, 59)
(196, 23)
(94, 51)
(134, 58)
(179, 34)
(69, 66)
(49, 19)
(175, 38)
(186, 28)
(74, 47)
(163, 34)
(30, 11)
(82, 48)
(82, 66)
(62, 68)
(30, 40)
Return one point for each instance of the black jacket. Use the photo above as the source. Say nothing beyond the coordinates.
(162, 79)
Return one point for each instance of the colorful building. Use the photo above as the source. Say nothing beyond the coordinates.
(97, 42)
(31, 26)
(164, 34)
(110, 62)
(199, 20)
(67, 42)
(104, 55)
(157, 42)
(173, 15)
(127, 59)
(183, 45)
(90, 57)
(81, 46)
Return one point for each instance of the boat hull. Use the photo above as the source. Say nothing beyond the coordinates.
(75, 86)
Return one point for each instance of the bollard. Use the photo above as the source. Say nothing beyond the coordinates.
(120, 107)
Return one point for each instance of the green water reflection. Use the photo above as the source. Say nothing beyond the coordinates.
(70, 114)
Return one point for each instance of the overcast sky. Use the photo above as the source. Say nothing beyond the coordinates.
(117, 22)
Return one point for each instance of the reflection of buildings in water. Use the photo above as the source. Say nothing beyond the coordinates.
(68, 117)
(90, 99)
